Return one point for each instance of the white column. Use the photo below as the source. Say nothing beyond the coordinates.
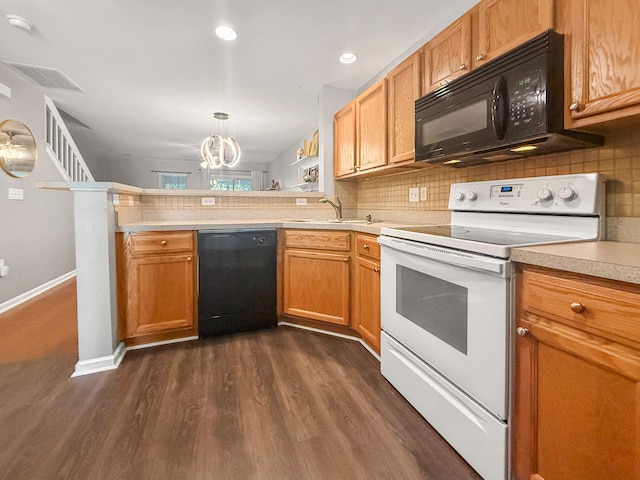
(331, 100)
(98, 346)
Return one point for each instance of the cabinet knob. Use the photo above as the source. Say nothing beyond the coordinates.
(163, 243)
(188, 259)
(462, 67)
(376, 269)
(480, 57)
(345, 259)
(523, 332)
(578, 307)
(574, 107)
(365, 246)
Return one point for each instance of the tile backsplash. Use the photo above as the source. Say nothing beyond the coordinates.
(616, 160)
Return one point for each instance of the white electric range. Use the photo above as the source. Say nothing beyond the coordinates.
(447, 302)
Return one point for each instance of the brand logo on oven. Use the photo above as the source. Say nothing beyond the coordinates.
(505, 203)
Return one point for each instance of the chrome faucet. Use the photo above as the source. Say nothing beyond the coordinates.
(336, 206)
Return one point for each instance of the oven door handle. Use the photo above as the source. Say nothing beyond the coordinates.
(440, 254)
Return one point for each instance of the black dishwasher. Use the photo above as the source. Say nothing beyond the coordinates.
(236, 280)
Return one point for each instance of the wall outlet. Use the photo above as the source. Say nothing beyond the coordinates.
(413, 194)
(301, 201)
(16, 194)
(423, 194)
(208, 200)
(116, 199)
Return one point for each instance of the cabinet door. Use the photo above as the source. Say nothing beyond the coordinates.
(404, 90)
(160, 294)
(577, 404)
(605, 54)
(316, 285)
(448, 54)
(371, 126)
(505, 24)
(344, 141)
(367, 302)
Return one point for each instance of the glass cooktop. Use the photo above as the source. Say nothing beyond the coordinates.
(484, 235)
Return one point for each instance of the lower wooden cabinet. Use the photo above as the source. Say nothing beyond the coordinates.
(156, 286)
(317, 275)
(577, 379)
(366, 308)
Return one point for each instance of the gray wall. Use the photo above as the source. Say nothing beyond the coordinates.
(36, 234)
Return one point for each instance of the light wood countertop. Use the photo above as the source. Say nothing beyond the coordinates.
(613, 260)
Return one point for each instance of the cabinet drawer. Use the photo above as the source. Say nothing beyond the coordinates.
(600, 305)
(161, 242)
(367, 245)
(318, 239)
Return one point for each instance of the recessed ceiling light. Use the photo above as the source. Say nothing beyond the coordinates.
(226, 33)
(18, 22)
(348, 58)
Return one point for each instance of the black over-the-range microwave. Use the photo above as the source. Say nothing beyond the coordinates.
(508, 108)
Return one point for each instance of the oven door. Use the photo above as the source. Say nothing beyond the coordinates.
(451, 309)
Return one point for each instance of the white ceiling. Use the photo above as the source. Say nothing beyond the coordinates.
(153, 72)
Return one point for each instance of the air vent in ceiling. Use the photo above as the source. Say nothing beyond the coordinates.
(44, 76)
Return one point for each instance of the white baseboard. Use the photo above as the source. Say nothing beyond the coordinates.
(164, 342)
(333, 334)
(15, 301)
(100, 364)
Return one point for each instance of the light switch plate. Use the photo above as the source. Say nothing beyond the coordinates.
(208, 200)
(16, 194)
(301, 201)
(413, 194)
(116, 199)
(423, 194)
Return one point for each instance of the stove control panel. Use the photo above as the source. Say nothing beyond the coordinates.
(576, 194)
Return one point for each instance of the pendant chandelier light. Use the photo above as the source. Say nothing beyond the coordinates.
(219, 150)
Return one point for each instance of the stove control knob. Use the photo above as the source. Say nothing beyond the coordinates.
(459, 196)
(545, 194)
(567, 193)
(471, 196)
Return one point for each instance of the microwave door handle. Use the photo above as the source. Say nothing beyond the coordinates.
(499, 107)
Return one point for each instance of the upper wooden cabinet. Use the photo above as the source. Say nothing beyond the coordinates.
(577, 377)
(505, 24)
(448, 54)
(344, 140)
(404, 90)
(371, 126)
(604, 58)
(360, 132)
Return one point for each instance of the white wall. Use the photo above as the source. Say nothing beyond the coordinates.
(36, 234)
(330, 100)
(281, 170)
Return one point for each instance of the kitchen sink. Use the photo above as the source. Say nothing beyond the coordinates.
(335, 220)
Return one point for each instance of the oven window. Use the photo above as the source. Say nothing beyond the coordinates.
(457, 123)
(437, 306)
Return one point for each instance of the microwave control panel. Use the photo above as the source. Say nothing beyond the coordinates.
(526, 100)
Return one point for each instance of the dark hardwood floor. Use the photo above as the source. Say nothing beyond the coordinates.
(275, 404)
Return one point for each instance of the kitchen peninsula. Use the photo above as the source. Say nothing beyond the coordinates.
(104, 209)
